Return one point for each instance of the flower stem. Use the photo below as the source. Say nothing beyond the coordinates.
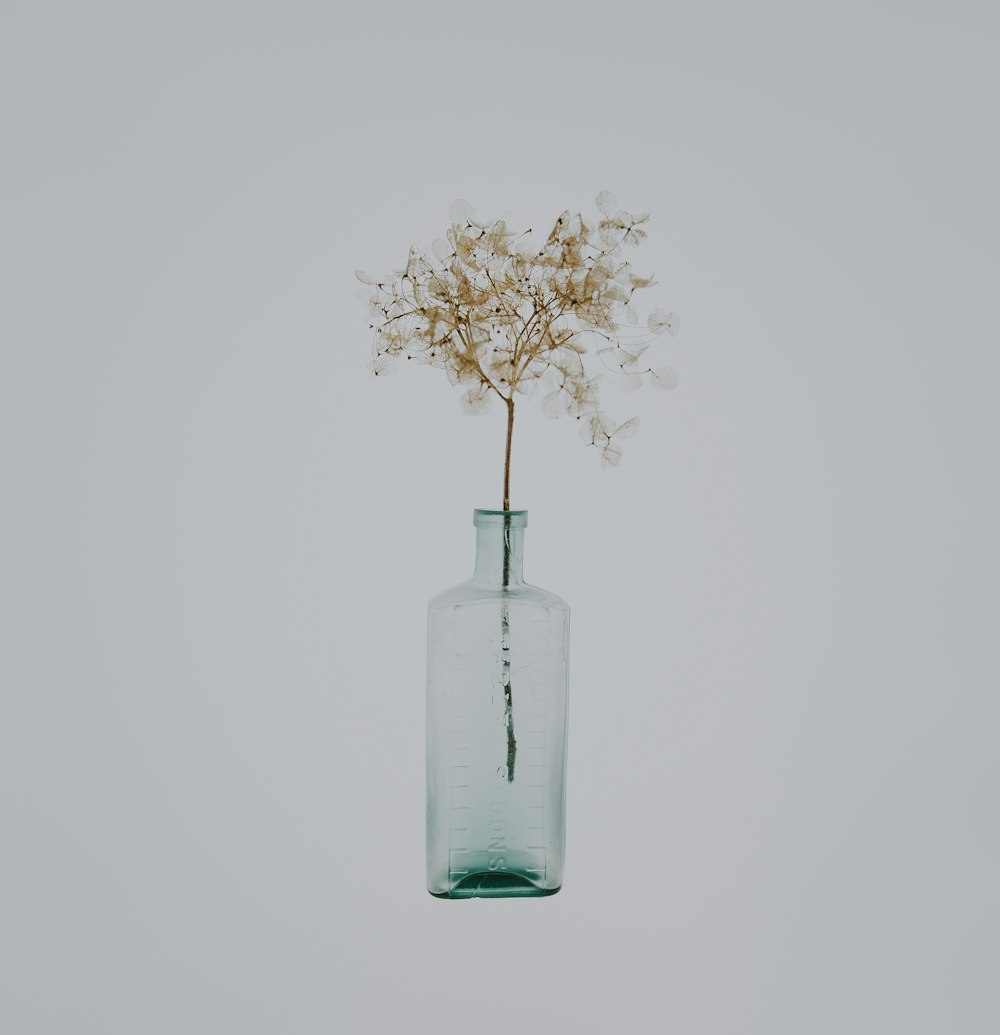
(508, 692)
(506, 459)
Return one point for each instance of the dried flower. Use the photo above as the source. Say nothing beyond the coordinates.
(502, 315)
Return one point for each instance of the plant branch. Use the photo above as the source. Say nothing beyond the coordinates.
(506, 459)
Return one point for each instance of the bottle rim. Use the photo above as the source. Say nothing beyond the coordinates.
(500, 518)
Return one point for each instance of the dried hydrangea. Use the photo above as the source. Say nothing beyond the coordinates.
(503, 315)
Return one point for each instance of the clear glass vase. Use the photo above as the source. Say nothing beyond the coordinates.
(497, 654)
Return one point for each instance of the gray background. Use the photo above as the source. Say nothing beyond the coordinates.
(218, 536)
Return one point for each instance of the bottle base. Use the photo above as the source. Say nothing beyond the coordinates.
(492, 884)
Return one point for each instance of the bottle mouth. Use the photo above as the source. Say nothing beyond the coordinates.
(500, 518)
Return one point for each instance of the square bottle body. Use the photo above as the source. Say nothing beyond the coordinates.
(496, 741)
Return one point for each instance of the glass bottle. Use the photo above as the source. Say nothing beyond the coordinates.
(497, 653)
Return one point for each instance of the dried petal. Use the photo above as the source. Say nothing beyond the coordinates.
(553, 405)
(476, 400)
(627, 430)
(611, 234)
(634, 351)
(597, 428)
(665, 378)
(561, 228)
(461, 211)
(660, 321)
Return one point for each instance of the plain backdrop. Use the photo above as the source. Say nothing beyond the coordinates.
(218, 534)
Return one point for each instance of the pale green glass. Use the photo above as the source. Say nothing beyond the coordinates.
(497, 655)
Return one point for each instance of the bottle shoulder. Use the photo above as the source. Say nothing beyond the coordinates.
(470, 594)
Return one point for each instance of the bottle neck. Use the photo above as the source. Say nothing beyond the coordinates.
(499, 548)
